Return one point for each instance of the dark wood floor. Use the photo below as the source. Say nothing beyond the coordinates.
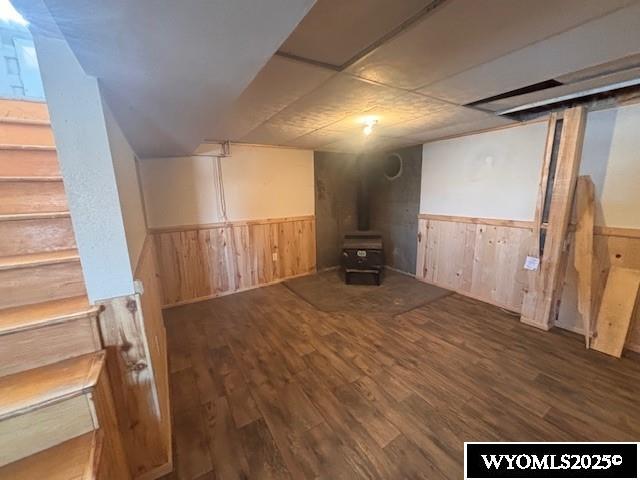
(264, 385)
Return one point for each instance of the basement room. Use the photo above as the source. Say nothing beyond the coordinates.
(319, 239)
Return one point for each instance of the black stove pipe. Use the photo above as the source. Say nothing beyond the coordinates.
(363, 195)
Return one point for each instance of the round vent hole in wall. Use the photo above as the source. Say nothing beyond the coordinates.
(392, 166)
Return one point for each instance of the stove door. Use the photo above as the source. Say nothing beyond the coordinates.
(362, 259)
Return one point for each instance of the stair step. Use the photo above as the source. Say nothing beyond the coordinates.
(40, 277)
(35, 148)
(28, 110)
(35, 233)
(36, 388)
(31, 178)
(35, 335)
(75, 459)
(25, 121)
(46, 406)
(38, 259)
(27, 132)
(20, 161)
(31, 197)
(8, 217)
(26, 317)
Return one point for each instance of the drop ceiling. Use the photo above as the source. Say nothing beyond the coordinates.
(169, 69)
(283, 72)
(415, 66)
(336, 32)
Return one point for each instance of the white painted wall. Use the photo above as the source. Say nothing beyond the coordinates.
(179, 191)
(491, 175)
(259, 183)
(264, 182)
(78, 121)
(495, 174)
(611, 155)
(124, 164)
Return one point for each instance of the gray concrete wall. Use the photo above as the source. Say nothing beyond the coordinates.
(394, 205)
(335, 190)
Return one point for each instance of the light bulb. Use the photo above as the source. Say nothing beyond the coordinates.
(368, 127)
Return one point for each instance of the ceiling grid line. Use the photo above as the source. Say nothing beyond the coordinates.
(414, 65)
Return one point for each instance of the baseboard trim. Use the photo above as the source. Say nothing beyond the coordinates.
(539, 326)
(408, 274)
(576, 330)
(231, 292)
(467, 294)
(157, 472)
(329, 269)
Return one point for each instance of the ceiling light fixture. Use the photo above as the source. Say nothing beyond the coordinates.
(368, 128)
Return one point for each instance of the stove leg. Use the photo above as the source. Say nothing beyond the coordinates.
(378, 278)
(347, 278)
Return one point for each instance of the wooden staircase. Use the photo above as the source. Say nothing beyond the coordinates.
(57, 419)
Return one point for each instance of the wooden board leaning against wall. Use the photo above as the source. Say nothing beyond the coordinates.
(611, 246)
(198, 262)
(134, 335)
(483, 258)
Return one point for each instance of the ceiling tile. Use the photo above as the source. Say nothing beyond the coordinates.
(461, 34)
(452, 129)
(334, 31)
(279, 83)
(390, 110)
(268, 134)
(318, 138)
(401, 115)
(610, 37)
(446, 117)
(361, 144)
(355, 122)
(339, 97)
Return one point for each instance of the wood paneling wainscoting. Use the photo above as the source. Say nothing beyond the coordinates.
(134, 334)
(478, 257)
(483, 258)
(147, 272)
(198, 262)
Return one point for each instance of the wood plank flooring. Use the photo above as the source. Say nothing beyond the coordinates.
(263, 385)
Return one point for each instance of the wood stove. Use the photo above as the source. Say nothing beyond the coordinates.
(362, 253)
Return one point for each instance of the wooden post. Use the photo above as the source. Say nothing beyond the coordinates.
(583, 252)
(534, 247)
(539, 303)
